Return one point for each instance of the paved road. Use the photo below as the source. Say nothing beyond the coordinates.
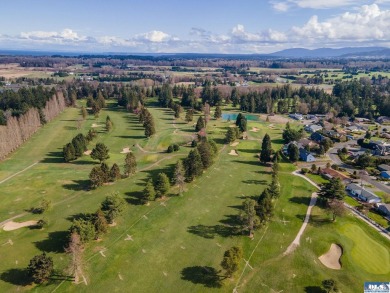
(332, 154)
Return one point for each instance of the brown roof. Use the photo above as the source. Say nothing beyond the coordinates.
(334, 173)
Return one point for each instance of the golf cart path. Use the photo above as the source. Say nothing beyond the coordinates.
(312, 203)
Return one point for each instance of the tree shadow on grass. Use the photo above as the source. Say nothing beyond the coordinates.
(55, 242)
(318, 221)
(314, 289)
(53, 157)
(300, 200)
(134, 197)
(78, 185)
(254, 181)
(84, 162)
(249, 151)
(18, 277)
(131, 136)
(205, 275)
(229, 227)
(253, 163)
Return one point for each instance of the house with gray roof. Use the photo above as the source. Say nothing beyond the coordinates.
(362, 194)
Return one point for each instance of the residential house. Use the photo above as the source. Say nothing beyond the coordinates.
(296, 116)
(383, 167)
(362, 194)
(306, 156)
(383, 119)
(331, 173)
(313, 128)
(352, 128)
(384, 208)
(385, 174)
(317, 137)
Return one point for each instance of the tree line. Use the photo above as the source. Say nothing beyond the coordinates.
(27, 119)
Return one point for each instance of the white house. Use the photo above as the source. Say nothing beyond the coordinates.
(362, 193)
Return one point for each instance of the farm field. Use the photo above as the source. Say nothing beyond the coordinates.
(173, 245)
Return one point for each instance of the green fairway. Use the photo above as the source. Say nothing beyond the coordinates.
(366, 253)
(172, 245)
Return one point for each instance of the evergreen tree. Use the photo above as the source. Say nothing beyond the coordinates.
(106, 172)
(149, 128)
(230, 135)
(84, 112)
(334, 189)
(206, 154)
(214, 148)
(162, 185)
(266, 149)
(265, 207)
(40, 268)
(293, 152)
(250, 221)
(179, 176)
(241, 122)
(115, 172)
(80, 144)
(69, 153)
(200, 124)
(275, 168)
(100, 223)
(100, 152)
(85, 228)
(330, 286)
(218, 112)
(91, 135)
(189, 115)
(96, 176)
(193, 165)
(130, 164)
(113, 206)
(274, 187)
(231, 260)
(149, 192)
(108, 125)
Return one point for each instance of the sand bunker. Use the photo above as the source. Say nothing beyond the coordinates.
(254, 129)
(11, 225)
(233, 153)
(125, 151)
(88, 152)
(95, 125)
(235, 144)
(331, 259)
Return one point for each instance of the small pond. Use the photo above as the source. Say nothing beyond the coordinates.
(233, 116)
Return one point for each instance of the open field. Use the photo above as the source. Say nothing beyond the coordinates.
(172, 245)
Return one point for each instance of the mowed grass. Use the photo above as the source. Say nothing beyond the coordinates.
(367, 253)
(177, 242)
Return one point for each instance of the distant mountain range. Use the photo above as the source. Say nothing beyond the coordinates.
(349, 52)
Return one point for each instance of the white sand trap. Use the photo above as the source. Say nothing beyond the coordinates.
(331, 259)
(254, 129)
(235, 144)
(233, 153)
(88, 152)
(94, 125)
(125, 151)
(11, 225)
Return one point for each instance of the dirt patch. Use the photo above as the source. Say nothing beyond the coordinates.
(254, 129)
(88, 152)
(235, 144)
(125, 151)
(11, 225)
(331, 259)
(233, 153)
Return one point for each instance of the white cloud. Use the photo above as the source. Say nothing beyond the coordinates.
(315, 4)
(65, 35)
(368, 23)
(280, 6)
(154, 36)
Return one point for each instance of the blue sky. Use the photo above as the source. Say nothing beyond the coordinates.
(210, 26)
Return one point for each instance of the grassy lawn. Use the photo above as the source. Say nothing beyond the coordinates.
(176, 242)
